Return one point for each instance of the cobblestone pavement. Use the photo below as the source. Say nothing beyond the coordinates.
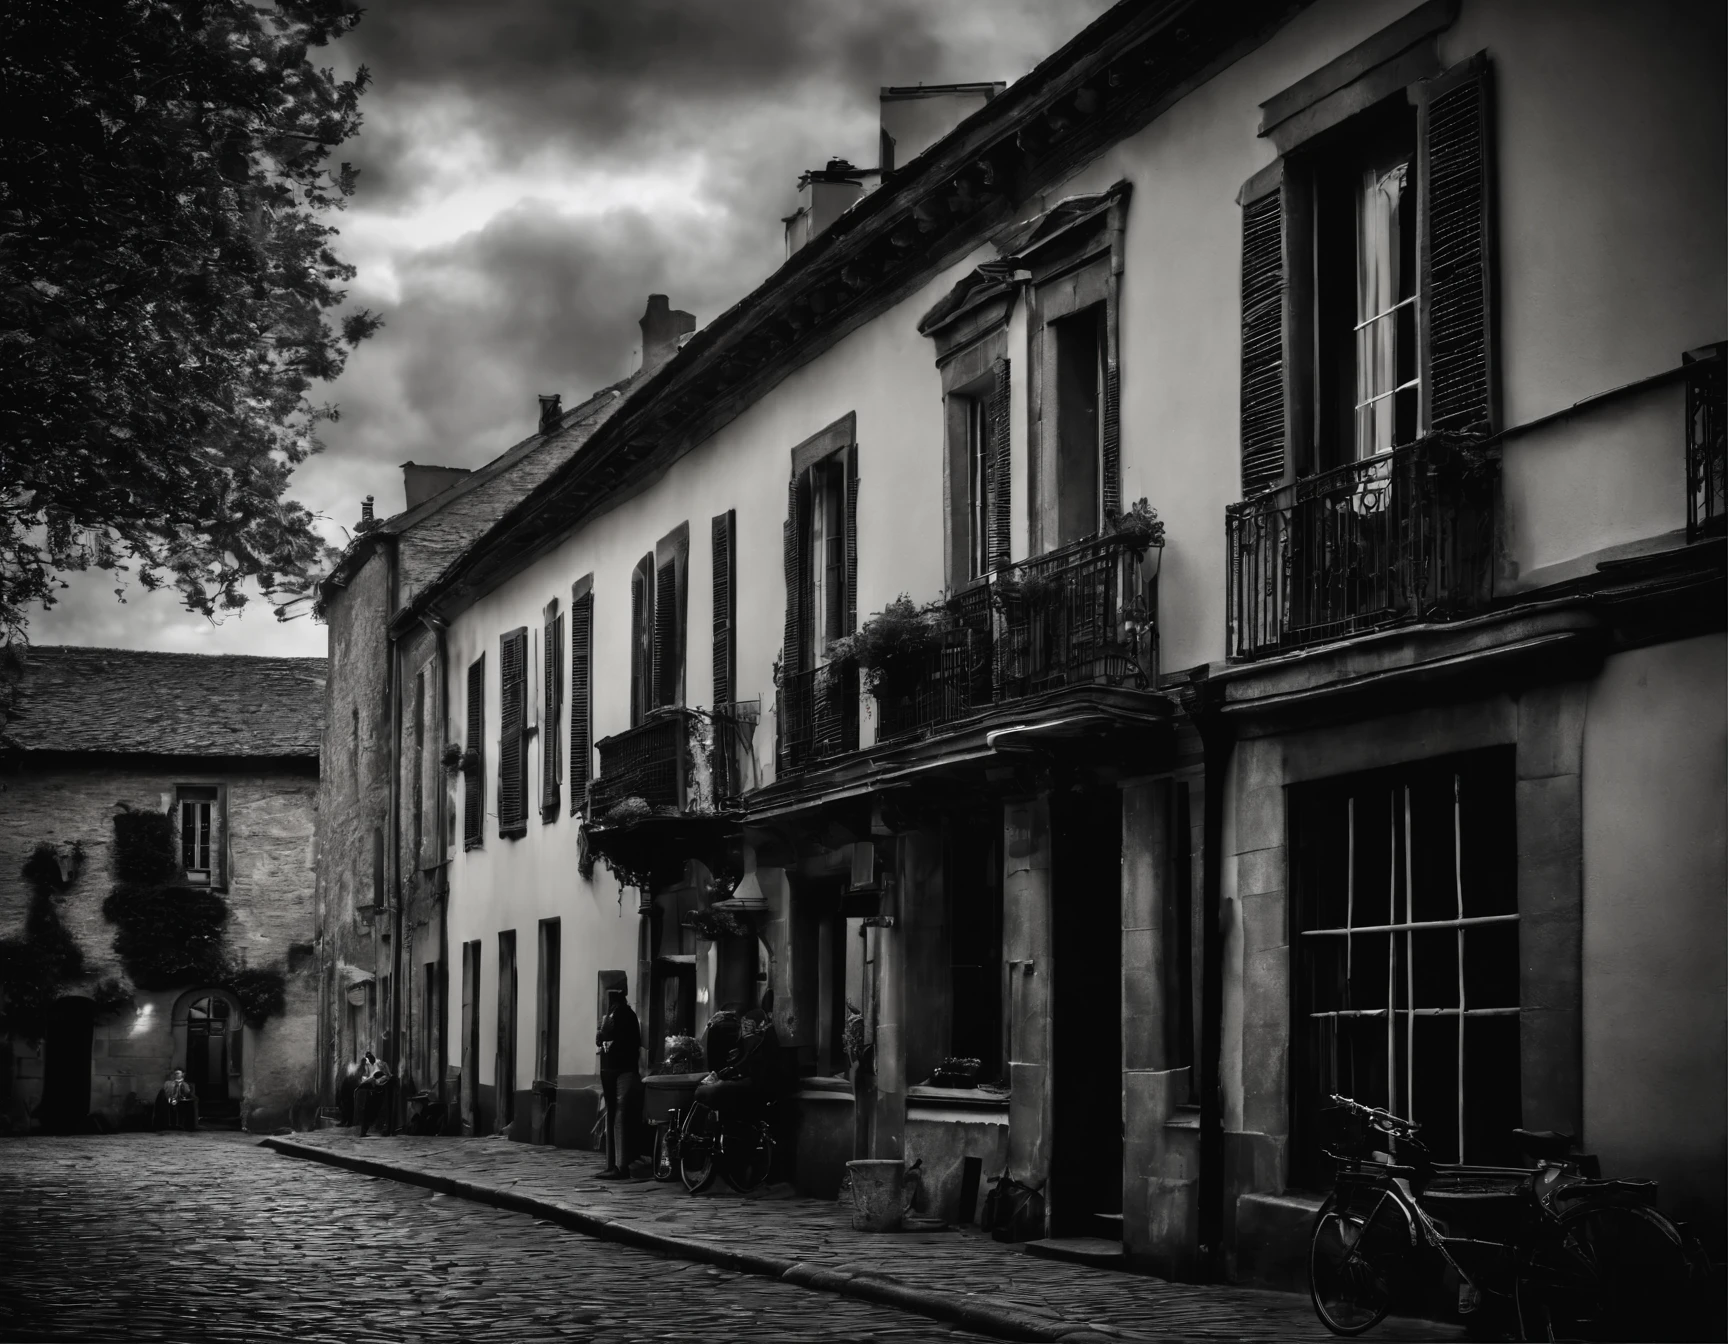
(778, 1222)
(211, 1237)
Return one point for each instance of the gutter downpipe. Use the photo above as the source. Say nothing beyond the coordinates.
(437, 626)
(398, 1104)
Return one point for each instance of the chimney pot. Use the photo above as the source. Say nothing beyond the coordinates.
(663, 330)
(551, 408)
(366, 509)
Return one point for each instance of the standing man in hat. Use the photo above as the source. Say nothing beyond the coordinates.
(620, 1042)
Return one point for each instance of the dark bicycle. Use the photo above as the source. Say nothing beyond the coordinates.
(1571, 1256)
(708, 1143)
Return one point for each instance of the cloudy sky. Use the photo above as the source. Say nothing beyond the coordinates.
(531, 170)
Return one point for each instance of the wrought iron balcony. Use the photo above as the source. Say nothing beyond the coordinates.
(1079, 614)
(1404, 536)
(679, 760)
(951, 680)
(818, 715)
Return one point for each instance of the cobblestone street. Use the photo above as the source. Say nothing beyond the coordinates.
(210, 1237)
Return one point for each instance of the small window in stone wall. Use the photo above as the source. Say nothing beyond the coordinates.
(199, 816)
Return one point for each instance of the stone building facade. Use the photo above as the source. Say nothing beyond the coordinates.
(223, 753)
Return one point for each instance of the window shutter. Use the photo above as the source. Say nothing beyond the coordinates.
(639, 650)
(792, 647)
(851, 612)
(1263, 364)
(666, 651)
(998, 544)
(581, 698)
(724, 528)
(1110, 443)
(1455, 178)
(474, 783)
(551, 743)
(512, 759)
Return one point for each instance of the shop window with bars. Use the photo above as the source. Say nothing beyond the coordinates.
(1406, 957)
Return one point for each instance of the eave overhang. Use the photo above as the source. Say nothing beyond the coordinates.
(1115, 76)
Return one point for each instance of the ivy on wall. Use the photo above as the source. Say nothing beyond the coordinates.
(38, 967)
(169, 935)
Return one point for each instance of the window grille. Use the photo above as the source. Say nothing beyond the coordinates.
(1407, 991)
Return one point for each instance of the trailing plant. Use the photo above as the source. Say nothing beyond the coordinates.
(113, 998)
(36, 968)
(168, 936)
(713, 924)
(892, 642)
(1140, 528)
(1027, 590)
(262, 992)
(143, 853)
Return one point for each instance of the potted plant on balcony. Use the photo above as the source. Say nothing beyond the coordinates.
(1140, 529)
(890, 648)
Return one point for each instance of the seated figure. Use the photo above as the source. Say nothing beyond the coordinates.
(739, 1087)
(176, 1103)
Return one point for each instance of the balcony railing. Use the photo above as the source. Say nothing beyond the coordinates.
(1075, 615)
(650, 761)
(818, 715)
(680, 759)
(1404, 536)
(1078, 615)
(1706, 461)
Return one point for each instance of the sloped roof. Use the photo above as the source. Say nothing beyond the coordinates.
(167, 704)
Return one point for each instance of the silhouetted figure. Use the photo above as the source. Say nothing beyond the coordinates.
(746, 1080)
(620, 1042)
(374, 1091)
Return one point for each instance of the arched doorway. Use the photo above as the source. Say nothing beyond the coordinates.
(210, 1042)
(66, 1066)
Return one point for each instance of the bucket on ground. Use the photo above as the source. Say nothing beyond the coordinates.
(881, 1193)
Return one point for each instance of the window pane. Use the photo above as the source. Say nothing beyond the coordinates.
(1385, 311)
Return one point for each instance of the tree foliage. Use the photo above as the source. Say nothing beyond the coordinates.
(168, 292)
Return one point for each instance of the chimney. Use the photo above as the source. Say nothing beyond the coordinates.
(663, 330)
(823, 195)
(420, 484)
(366, 509)
(551, 408)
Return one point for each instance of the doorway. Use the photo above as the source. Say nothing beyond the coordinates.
(504, 1069)
(213, 1055)
(1086, 1014)
(66, 1066)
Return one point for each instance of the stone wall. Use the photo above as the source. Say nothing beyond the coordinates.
(271, 822)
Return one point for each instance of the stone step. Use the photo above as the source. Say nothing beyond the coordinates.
(1095, 1251)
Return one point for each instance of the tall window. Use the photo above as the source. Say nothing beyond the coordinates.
(641, 639)
(827, 552)
(1407, 992)
(1079, 393)
(581, 692)
(512, 732)
(552, 741)
(419, 766)
(977, 486)
(200, 834)
(1366, 287)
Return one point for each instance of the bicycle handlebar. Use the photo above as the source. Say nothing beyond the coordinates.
(1382, 1120)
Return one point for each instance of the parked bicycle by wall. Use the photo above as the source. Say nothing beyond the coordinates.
(1562, 1255)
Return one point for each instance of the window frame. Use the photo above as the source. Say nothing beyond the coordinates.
(215, 877)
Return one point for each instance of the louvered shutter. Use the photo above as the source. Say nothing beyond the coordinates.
(792, 647)
(639, 643)
(551, 742)
(1110, 443)
(851, 611)
(474, 782)
(667, 659)
(1263, 363)
(512, 759)
(999, 546)
(723, 530)
(1455, 178)
(581, 697)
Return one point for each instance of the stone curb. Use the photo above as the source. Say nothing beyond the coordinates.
(954, 1308)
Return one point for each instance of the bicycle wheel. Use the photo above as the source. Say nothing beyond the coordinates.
(748, 1158)
(696, 1160)
(1361, 1251)
(666, 1152)
(1606, 1271)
